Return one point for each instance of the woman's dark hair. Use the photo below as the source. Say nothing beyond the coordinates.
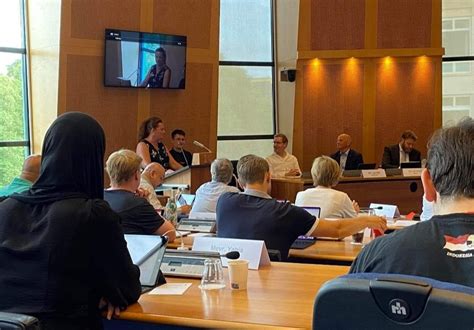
(161, 50)
(147, 126)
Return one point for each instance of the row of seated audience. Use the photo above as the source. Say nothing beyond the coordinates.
(68, 256)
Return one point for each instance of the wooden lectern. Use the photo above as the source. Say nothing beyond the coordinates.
(194, 175)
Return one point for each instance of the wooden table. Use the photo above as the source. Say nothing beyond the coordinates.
(323, 251)
(280, 295)
(327, 251)
(405, 192)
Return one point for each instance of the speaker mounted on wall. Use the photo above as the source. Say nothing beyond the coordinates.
(288, 75)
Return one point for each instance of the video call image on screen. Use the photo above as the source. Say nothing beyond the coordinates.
(144, 60)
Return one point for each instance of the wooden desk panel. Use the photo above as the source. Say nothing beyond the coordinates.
(281, 295)
(406, 193)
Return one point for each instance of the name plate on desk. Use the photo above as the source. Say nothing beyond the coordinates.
(378, 173)
(252, 250)
(412, 172)
(386, 210)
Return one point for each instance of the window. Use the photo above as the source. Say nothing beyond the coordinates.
(246, 107)
(458, 62)
(14, 132)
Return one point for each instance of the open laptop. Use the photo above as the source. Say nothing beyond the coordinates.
(185, 199)
(411, 164)
(147, 253)
(302, 242)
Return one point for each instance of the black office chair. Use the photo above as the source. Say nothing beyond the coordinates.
(14, 321)
(386, 301)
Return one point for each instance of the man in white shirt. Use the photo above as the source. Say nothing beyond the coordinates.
(208, 193)
(152, 176)
(281, 162)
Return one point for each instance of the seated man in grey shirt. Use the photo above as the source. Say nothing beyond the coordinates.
(208, 193)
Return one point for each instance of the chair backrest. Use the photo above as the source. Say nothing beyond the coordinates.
(386, 301)
(14, 321)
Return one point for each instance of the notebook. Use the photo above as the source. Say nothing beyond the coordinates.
(147, 253)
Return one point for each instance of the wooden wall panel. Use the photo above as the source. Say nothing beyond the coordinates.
(90, 18)
(333, 104)
(404, 23)
(185, 17)
(337, 24)
(404, 101)
(114, 108)
(180, 109)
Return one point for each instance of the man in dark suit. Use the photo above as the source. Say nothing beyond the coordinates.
(347, 158)
(401, 153)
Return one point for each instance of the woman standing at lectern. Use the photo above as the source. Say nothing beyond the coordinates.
(150, 145)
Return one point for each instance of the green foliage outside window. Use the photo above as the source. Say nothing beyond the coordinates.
(12, 121)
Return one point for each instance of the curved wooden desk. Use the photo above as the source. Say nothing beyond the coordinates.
(405, 192)
(281, 295)
(323, 251)
(327, 251)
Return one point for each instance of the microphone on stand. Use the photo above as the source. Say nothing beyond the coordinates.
(231, 255)
(199, 144)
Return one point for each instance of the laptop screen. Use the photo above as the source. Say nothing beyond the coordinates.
(313, 210)
(147, 252)
(186, 199)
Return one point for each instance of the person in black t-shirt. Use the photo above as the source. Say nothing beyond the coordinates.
(254, 214)
(184, 157)
(138, 216)
(441, 248)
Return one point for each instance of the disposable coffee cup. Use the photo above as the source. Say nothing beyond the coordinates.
(238, 272)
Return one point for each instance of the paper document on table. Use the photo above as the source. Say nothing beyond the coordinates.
(171, 289)
(405, 223)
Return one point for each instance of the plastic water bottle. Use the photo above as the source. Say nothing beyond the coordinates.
(171, 209)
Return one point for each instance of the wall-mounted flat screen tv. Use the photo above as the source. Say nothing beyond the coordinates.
(144, 60)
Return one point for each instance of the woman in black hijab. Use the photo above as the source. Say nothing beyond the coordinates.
(61, 246)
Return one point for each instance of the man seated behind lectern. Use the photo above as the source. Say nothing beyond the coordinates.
(138, 216)
(254, 214)
(281, 162)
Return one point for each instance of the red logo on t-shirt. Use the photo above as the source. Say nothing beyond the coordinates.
(461, 243)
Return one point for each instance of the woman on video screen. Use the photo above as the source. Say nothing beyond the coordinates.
(159, 74)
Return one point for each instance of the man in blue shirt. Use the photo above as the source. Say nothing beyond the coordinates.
(27, 177)
(254, 214)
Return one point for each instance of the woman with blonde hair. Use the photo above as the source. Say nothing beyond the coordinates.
(333, 203)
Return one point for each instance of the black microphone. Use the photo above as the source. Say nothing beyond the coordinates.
(199, 144)
(231, 255)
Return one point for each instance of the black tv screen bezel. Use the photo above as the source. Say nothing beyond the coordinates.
(153, 36)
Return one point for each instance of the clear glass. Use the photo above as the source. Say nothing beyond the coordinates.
(12, 112)
(213, 275)
(245, 100)
(245, 30)
(11, 24)
(235, 149)
(11, 161)
(358, 238)
(458, 92)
